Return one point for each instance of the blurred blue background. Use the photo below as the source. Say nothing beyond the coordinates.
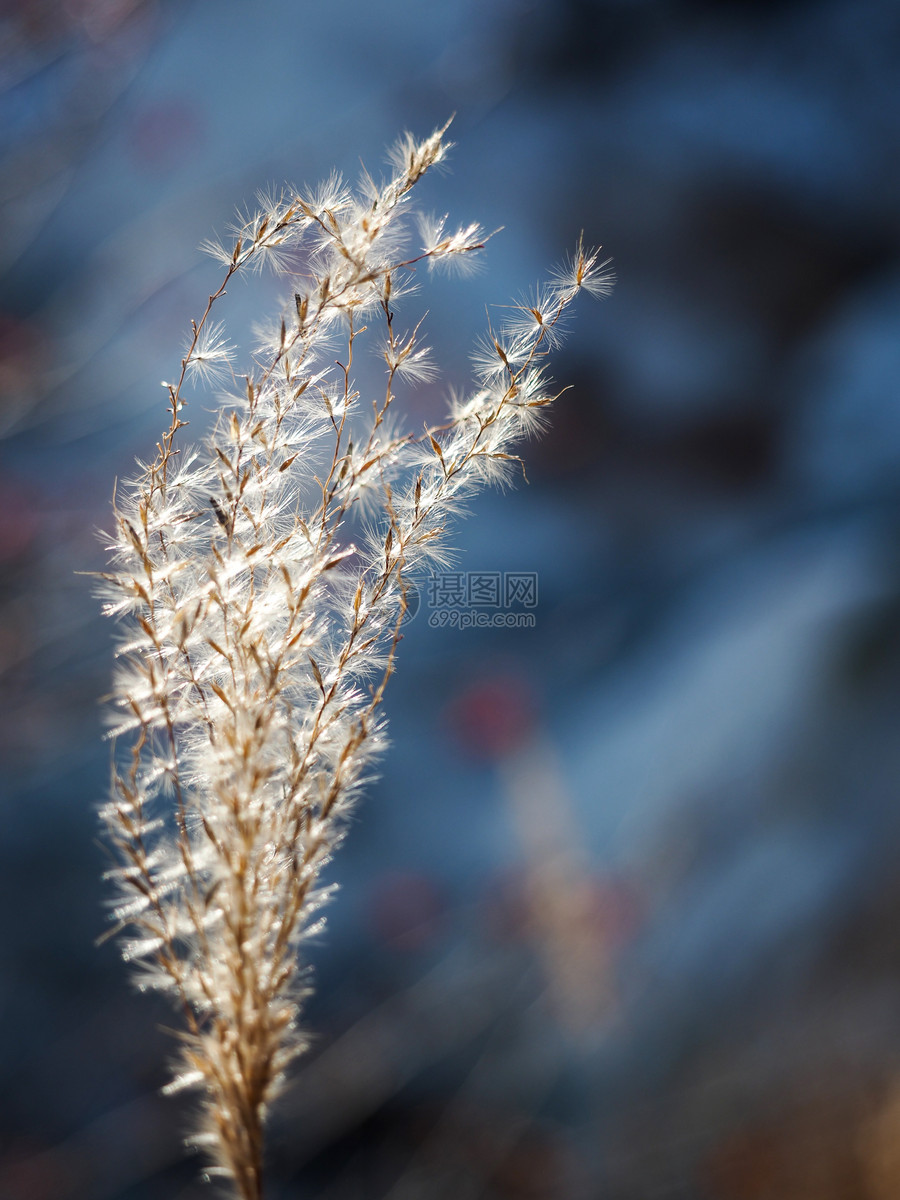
(620, 917)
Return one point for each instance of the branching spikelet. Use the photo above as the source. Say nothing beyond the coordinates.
(258, 636)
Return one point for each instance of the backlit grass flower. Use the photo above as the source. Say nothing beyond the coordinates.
(258, 634)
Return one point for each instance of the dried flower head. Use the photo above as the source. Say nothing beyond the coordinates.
(258, 636)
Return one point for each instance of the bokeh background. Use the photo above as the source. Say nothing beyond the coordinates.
(621, 918)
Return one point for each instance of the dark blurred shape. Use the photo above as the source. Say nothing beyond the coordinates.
(776, 263)
(576, 41)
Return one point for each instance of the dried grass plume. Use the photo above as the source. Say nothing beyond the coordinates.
(259, 627)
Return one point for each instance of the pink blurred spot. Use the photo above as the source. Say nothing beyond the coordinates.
(19, 521)
(21, 349)
(610, 907)
(492, 718)
(505, 909)
(607, 908)
(166, 134)
(99, 19)
(406, 911)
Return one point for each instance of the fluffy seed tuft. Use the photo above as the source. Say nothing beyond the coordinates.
(258, 635)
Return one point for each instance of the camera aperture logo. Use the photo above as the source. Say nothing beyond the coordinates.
(483, 599)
